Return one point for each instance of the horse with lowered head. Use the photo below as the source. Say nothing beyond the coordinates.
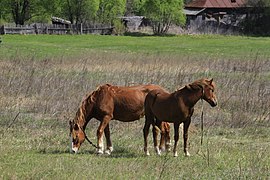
(176, 108)
(109, 102)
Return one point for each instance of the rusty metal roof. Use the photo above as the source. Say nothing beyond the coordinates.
(216, 4)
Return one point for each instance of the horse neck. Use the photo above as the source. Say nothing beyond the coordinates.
(84, 114)
(190, 97)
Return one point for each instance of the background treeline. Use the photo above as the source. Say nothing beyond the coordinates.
(161, 14)
(258, 21)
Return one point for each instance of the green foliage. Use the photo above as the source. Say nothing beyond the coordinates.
(257, 21)
(135, 7)
(49, 8)
(163, 14)
(4, 10)
(119, 28)
(21, 11)
(80, 11)
(110, 10)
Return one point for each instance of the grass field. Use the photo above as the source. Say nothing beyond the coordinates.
(47, 46)
(43, 79)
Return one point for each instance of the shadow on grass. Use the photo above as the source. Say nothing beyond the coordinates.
(121, 152)
(139, 34)
(51, 151)
(118, 152)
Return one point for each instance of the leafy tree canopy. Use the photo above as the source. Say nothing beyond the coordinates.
(110, 9)
(164, 13)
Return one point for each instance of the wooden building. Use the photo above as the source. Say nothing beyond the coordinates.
(215, 16)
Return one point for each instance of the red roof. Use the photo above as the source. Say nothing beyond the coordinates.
(216, 4)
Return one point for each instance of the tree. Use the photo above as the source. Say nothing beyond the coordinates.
(47, 9)
(257, 20)
(134, 7)
(4, 11)
(21, 10)
(109, 10)
(164, 13)
(80, 11)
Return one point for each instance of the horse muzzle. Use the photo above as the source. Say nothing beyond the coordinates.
(74, 149)
(212, 102)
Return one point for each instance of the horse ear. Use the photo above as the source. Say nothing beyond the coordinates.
(76, 127)
(189, 87)
(211, 80)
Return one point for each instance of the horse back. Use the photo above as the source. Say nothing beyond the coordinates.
(162, 105)
(122, 103)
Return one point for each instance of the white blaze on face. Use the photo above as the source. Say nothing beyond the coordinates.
(72, 148)
(70, 144)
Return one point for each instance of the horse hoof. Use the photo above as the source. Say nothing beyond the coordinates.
(175, 154)
(108, 152)
(168, 147)
(158, 151)
(99, 152)
(147, 153)
(187, 154)
(162, 149)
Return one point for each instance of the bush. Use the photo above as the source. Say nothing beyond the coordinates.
(119, 28)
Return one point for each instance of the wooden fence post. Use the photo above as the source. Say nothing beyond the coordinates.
(2, 30)
(46, 30)
(81, 28)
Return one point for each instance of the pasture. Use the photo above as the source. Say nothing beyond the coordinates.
(43, 80)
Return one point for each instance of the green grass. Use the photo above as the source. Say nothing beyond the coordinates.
(46, 46)
(37, 150)
(45, 78)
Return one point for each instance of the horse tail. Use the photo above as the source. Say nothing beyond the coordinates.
(155, 98)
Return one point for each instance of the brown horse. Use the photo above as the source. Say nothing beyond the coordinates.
(175, 108)
(109, 102)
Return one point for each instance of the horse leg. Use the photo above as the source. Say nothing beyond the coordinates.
(176, 138)
(108, 140)
(100, 131)
(185, 136)
(148, 121)
(155, 130)
(162, 136)
(167, 137)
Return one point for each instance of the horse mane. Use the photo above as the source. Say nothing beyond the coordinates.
(89, 99)
(182, 87)
(196, 85)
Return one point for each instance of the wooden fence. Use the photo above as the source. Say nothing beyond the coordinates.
(56, 29)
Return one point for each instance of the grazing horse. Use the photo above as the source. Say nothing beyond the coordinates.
(109, 102)
(176, 108)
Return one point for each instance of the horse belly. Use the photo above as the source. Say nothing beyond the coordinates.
(169, 114)
(128, 114)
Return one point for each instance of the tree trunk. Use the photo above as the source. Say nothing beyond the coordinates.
(20, 11)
